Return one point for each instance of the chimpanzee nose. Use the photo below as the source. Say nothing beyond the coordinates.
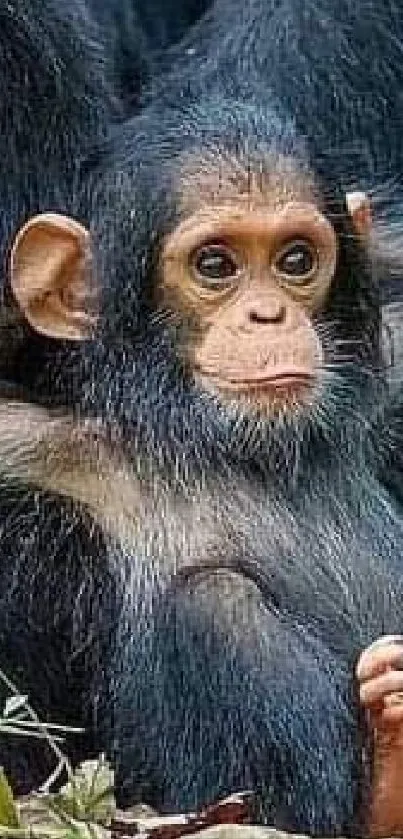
(273, 313)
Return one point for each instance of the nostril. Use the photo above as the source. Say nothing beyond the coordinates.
(276, 316)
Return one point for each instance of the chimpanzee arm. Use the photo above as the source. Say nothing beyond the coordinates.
(216, 693)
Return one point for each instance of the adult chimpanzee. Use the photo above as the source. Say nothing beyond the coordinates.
(200, 425)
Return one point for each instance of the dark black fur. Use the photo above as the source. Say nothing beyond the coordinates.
(244, 566)
(336, 66)
(137, 35)
(54, 104)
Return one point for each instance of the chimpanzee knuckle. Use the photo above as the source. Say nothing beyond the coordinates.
(381, 686)
(385, 652)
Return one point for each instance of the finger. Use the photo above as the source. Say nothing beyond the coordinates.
(378, 657)
(378, 688)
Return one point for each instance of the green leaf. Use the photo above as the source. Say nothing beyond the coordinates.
(88, 796)
(8, 809)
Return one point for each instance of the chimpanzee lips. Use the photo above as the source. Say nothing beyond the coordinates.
(283, 382)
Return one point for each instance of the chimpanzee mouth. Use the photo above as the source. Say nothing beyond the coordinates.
(285, 392)
(283, 383)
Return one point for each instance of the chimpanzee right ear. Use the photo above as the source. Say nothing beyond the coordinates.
(359, 207)
(52, 279)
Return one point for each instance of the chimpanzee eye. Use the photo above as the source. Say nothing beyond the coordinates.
(297, 261)
(215, 265)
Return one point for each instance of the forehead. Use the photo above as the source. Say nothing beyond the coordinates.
(268, 185)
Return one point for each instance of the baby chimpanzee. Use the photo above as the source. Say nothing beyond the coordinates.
(199, 541)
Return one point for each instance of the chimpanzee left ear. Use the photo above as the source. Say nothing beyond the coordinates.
(359, 207)
(52, 279)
